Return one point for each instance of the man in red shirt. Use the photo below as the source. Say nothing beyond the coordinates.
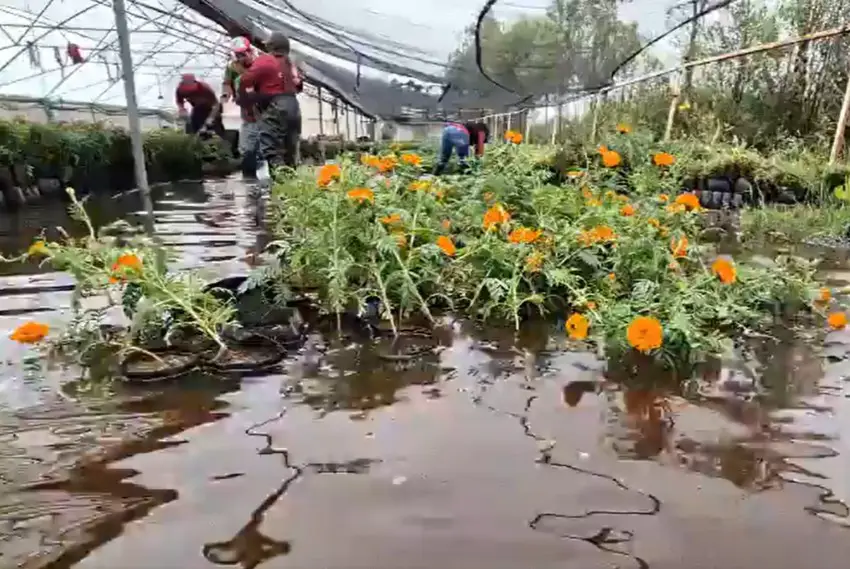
(271, 85)
(206, 110)
(243, 57)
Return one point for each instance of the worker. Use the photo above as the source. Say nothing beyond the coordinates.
(206, 110)
(243, 57)
(458, 137)
(271, 83)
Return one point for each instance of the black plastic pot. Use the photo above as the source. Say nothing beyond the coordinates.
(248, 357)
(139, 367)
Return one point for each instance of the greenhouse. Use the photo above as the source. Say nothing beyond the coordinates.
(471, 283)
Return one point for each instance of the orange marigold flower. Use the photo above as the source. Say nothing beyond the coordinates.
(391, 219)
(361, 195)
(446, 224)
(495, 216)
(611, 159)
(593, 202)
(411, 159)
(645, 334)
(128, 261)
(370, 160)
(446, 245)
(675, 208)
(824, 296)
(679, 247)
(689, 200)
(591, 305)
(489, 196)
(30, 332)
(627, 210)
(418, 185)
(586, 193)
(663, 159)
(623, 128)
(612, 277)
(604, 233)
(725, 270)
(577, 326)
(837, 320)
(387, 163)
(524, 235)
(573, 174)
(602, 149)
(328, 173)
(654, 222)
(663, 198)
(513, 137)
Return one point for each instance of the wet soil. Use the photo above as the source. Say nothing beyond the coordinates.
(483, 449)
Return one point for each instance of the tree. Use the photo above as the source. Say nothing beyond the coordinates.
(575, 45)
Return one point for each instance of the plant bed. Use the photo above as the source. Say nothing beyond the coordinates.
(157, 366)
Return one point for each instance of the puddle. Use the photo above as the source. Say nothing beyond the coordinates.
(474, 447)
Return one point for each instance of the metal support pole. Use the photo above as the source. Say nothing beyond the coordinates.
(336, 116)
(347, 126)
(133, 110)
(321, 115)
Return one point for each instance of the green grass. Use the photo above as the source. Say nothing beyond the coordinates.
(795, 223)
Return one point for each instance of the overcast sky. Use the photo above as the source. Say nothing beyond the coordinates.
(432, 26)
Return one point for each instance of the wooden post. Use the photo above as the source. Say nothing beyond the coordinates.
(674, 104)
(838, 141)
(321, 115)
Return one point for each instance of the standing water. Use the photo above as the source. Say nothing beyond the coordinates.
(474, 448)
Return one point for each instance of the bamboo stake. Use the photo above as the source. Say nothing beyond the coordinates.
(838, 141)
(674, 104)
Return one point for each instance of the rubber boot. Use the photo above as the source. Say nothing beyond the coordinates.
(249, 166)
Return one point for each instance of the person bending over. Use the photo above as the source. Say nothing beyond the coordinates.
(458, 137)
(271, 85)
(206, 110)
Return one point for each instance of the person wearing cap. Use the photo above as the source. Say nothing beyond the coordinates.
(271, 83)
(243, 57)
(206, 110)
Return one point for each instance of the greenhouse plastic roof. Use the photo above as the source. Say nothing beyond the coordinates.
(382, 56)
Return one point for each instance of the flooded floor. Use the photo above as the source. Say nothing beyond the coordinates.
(488, 449)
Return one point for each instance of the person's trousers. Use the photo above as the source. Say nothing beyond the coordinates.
(453, 139)
(249, 147)
(279, 127)
(199, 116)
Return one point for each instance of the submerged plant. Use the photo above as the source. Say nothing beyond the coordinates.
(127, 272)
